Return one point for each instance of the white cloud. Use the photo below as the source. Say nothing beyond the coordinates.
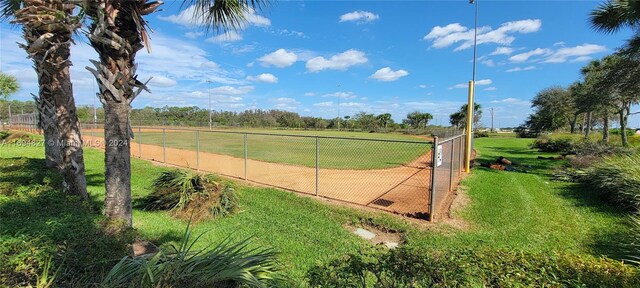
(280, 58)
(194, 35)
(502, 51)
(582, 59)
(512, 101)
(488, 62)
(342, 95)
(422, 86)
(324, 104)
(522, 57)
(359, 16)
(490, 88)
(230, 90)
(284, 103)
(264, 77)
(387, 75)
(561, 43)
(352, 105)
(252, 18)
(229, 36)
(187, 18)
(518, 69)
(310, 94)
(453, 33)
(563, 54)
(482, 82)
(340, 61)
(162, 81)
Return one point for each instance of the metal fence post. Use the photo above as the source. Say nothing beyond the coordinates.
(434, 164)
(461, 157)
(140, 142)
(164, 146)
(317, 164)
(198, 150)
(245, 156)
(452, 149)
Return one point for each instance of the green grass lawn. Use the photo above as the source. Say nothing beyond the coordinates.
(334, 153)
(506, 210)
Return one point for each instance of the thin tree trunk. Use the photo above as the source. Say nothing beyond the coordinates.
(587, 130)
(605, 128)
(574, 121)
(623, 126)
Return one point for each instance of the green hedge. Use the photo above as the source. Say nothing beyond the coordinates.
(471, 268)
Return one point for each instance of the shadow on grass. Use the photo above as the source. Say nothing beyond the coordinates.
(39, 221)
(610, 242)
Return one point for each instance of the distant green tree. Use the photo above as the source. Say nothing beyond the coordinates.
(384, 120)
(459, 118)
(8, 85)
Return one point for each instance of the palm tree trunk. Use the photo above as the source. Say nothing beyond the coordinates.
(47, 30)
(116, 38)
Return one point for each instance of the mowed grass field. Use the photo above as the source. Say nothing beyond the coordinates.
(271, 146)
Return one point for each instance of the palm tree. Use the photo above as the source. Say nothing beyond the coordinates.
(47, 29)
(614, 15)
(384, 119)
(117, 32)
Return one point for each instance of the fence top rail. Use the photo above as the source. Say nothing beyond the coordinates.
(450, 138)
(285, 135)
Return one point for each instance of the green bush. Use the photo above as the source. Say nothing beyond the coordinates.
(617, 131)
(618, 178)
(480, 134)
(406, 267)
(188, 194)
(547, 144)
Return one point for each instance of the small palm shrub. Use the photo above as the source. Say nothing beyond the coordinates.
(618, 178)
(464, 267)
(189, 194)
(225, 265)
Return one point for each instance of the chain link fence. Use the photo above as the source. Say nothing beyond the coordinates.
(408, 177)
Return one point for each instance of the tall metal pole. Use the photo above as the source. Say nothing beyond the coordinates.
(338, 106)
(210, 119)
(492, 127)
(470, 104)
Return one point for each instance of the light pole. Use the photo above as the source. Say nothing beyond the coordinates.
(338, 94)
(470, 104)
(210, 118)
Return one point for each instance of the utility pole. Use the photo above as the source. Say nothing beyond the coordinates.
(472, 93)
(338, 94)
(210, 118)
(492, 128)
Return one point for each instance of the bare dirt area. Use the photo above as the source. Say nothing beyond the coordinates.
(402, 190)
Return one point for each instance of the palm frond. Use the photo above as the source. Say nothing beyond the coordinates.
(614, 15)
(224, 264)
(8, 8)
(223, 15)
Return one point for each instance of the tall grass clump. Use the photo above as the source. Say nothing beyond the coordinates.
(224, 265)
(187, 193)
(618, 178)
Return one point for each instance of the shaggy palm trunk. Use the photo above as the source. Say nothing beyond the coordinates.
(45, 102)
(605, 128)
(48, 27)
(115, 34)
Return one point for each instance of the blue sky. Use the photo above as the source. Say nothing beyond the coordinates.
(323, 58)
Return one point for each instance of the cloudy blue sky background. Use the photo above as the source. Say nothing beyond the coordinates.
(323, 58)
